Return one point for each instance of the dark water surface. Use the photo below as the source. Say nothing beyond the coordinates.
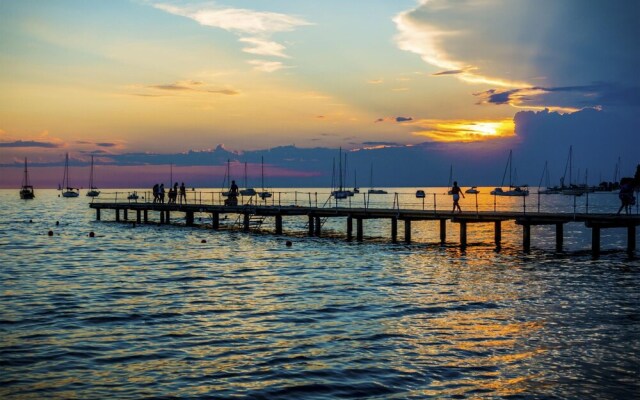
(150, 311)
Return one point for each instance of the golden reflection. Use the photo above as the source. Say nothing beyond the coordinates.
(464, 130)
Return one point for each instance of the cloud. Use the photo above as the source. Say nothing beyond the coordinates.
(30, 143)
(254, 27)
(188, 86)
(267, 66)
(375, 81)
(464, 130)
(524, 51)
(404, 119)
(263, 47)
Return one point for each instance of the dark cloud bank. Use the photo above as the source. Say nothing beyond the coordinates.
(598, 138)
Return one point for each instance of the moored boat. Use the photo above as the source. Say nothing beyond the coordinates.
(26, 191)
(68, 191)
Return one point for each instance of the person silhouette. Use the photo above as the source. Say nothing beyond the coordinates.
(183, 194)
(456, 192)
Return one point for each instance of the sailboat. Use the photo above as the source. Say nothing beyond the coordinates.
(355, 182)
(26, 192)
(572, 189)
(341, 193)
(372, 190)
(247, 191)
(93, 191)
(450, 179)
(227, 177)
(68, 191)
(513, 190)
(549, 189)
(472, 190)
(263, 193)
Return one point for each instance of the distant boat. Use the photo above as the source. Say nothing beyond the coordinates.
(68, 191)
(513, 190)
(263, 193)
(372, 190)
(26, 192)
(420, 194)
(93, 191)
(341, 192)
(472, 190)
(355, 182)
(133, 196)
(573, 189)
(227, 177)
(549, 189)
(247, 191)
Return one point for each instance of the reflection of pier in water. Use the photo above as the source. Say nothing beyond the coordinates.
(253, 214)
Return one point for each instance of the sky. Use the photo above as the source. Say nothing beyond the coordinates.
(408, 89)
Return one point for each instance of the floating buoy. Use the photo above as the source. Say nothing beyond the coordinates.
(91, 234)
(50, 233)
(30, 221)
(57, 223)
(203, 241)
(289, 244)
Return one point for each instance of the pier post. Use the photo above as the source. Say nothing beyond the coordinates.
(146, 216)
(138, 216)
(125, 214)
(498, 232)
(318, 226)
(349, 228)
(278, 224)
(407, 231)
(97, 214)
(559, 237)
(463, 234)
(162, 217)
(215, 221)
(595, 241)
(631, 239)
(117, 215)
(443, 232)
(394, 230)
(246, 222)
(526, 237)
(359, 230)
(167, 218)
(311, 227)
(189, 218)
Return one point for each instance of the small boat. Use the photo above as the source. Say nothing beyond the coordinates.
(341, 192)
(247, 191)
(263, 194)
(472, 190)
(93, 191)
(420, 194)
(26, 192)
(372, 190)
(513, 190)
(68, 191)
(133, 196)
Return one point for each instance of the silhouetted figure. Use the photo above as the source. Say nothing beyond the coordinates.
(232, 199)
(626, 195)
(161, 193)
(156, 191)
(183, 194)
(456, 192)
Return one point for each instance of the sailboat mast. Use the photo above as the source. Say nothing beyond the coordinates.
(262, 172)
(91, 175)
(340, 169)
(510, 161)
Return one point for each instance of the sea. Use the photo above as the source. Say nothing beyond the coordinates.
(150, 311)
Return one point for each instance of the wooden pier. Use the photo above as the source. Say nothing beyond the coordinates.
(248, 214)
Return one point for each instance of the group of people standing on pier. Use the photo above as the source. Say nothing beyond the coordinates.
(175, 193)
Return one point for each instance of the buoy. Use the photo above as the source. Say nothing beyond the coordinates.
(203, 241)
(30, 221)
(91, 234)
(289, 244)
(57, 223)
(50, 233)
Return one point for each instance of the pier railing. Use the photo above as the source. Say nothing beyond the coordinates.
(435, 201)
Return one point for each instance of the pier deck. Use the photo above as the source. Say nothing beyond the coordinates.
(316, 215)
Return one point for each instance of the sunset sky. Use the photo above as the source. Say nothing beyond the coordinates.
(427, 84)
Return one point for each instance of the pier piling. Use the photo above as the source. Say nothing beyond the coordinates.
(394, 230)
(407, 231)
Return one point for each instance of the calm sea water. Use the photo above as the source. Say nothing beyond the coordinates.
(151, 311)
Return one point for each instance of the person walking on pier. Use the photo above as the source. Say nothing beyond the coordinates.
(156, 197)
(161, 193)
(233, 195)
(183, 194)
(456, 192)
(627, 199)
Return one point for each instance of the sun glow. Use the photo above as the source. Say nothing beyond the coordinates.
(464, 131)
